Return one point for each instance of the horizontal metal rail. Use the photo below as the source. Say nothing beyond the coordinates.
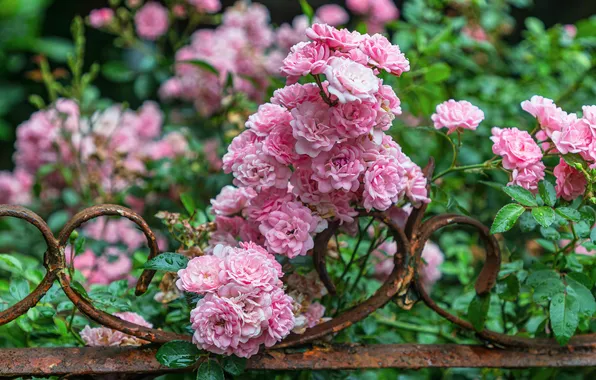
(137, 360)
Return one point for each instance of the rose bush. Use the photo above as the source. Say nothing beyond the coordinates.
(245, 143)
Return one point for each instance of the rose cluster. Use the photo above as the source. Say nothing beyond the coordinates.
(106, 337)
(559, 133)
(237, 47)
(243, 302)
(105, 152)
(114, 263)
(376, 13)
(318, 151)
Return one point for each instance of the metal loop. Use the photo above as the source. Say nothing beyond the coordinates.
(51, 262)
(395, 283)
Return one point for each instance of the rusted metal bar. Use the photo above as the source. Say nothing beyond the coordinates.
(128, 360)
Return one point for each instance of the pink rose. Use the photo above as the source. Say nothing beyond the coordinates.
(312, 128)
(384, 184)
(280, 144)
(550, 117)
(433, 258)
(152, 21)
(454, 115)
(282, 319)
(260, 171)
(217, 322)
(314, 314)
(292, 95)
(517, 148)
(337, 205)
(304, 186)
(98, 18)
(149, 121)
(105, 337)
(268, 116)
(383, 55)
(342, 40)
(338, 169)
(571, 183)
(252, 269)
(351, 81)
(231, 200)
(201, 275)
(574, 137)
(305, 58)
(266, 202)
(528, 177)
(241, 145)
(15, 188)
(332, 14)
(289, 230)
(354, 119)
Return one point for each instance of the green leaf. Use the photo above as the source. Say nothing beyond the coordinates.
(569, 214)
(582, 229)
(11, 262)
(19, 288)
(307, 10)
(437, 72)
(521, 195)
(79, 288)
(585, 298)
(575, 161)
(508, 289)
(188, 202)
(478, 310)
(117, 71)
(547, 193)
(234, 365)
(545, 215)
(588, 214)
(167, 261)
(593, 235)
(550, 233)
(203, 65)
(582, 279)
(506, 218)
(527, 223)
(563, 316)
(178, 354)
(210, 370)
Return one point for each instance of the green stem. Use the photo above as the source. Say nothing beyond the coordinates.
(417, 328)
(485, 165)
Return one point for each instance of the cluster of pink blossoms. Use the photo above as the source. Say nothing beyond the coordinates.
(244, 304)
(115, 261)
(237, 47)
(317, 152)
(560, 133)
(152, 20)
(109, 149)
(376, 13)
(106, 337)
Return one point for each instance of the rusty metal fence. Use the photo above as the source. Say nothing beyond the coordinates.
(500, 350)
